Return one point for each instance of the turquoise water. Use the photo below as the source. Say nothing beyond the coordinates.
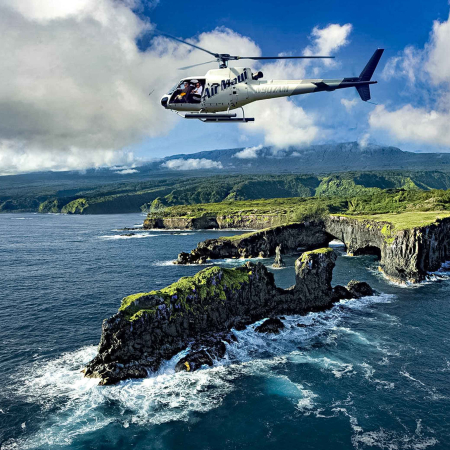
(369, 374)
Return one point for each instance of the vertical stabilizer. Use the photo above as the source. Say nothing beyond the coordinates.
(366, 74)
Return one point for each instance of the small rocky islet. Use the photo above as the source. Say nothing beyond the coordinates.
(198, 314)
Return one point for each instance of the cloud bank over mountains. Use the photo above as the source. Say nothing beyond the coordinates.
(192, 164)
(248, 153)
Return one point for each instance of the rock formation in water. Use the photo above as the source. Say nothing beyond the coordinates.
(259, 244)
(405, 255)
(198, 312)
(278, 262)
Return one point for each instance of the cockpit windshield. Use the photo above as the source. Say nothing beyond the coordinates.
(172, 90)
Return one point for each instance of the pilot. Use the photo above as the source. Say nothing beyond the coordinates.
(183, 96)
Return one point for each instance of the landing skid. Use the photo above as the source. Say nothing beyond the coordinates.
(218, 117)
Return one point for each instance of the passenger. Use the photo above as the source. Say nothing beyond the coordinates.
(198, 89)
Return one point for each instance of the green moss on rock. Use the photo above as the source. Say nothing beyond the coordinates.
(188, 294)
(49, 206)
(75, 207)
(307, 255)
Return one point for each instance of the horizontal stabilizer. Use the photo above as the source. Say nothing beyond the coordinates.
(364, 92)
(323, 86)
(366, 74)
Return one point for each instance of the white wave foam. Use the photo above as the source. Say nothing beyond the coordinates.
(163, 263)
(307, 403)
(336, 243)
(433, 393)
(123, 236)
(369, 372)
(386, 439)
(364, 302)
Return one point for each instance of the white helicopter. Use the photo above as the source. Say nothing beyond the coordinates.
(211, 97)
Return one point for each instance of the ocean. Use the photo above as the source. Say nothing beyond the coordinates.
(372, 373)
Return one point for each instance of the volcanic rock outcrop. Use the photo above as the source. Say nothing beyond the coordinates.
(248, 221)
(198, 312)
(406, 255)
(262, 243)
(278, 262)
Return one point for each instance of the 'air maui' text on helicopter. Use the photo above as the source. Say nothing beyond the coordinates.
(211, 97)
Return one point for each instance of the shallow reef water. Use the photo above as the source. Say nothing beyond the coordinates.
(367, 374)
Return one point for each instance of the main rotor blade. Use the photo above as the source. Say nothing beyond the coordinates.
(195, 65)
(188, 43)
(285, 57)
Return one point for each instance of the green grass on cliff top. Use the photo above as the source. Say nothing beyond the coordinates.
(244, 207)
(397, 222)
(405, 220)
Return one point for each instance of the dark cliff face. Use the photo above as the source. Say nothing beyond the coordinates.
(260, 244)
(405, 255)
(153, 327)
(245, 221)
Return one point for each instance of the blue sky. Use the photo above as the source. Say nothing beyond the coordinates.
(75, 77)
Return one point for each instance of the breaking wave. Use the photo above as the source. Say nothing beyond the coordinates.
(124, 236)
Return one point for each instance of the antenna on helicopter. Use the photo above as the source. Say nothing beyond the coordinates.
(223, 58)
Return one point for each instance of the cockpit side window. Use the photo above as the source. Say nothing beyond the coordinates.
(189, 90)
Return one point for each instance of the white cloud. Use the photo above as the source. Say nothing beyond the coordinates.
(14, 158)
(421, 124)
(328, 40)
(283, 123)
(324, 42)
(413, 124)
(248, 153)
(126, 171)
(192, 164)
(364, 141)
(49, 9)
(408, 65)
(349, 104)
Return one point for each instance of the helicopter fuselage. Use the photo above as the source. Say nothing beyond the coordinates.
(234, 87)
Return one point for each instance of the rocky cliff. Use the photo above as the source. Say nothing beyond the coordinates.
(200, 311)
(244, 221)
(261, 243)
(406, 255)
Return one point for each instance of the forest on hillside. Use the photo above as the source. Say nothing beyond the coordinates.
(153, 195)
